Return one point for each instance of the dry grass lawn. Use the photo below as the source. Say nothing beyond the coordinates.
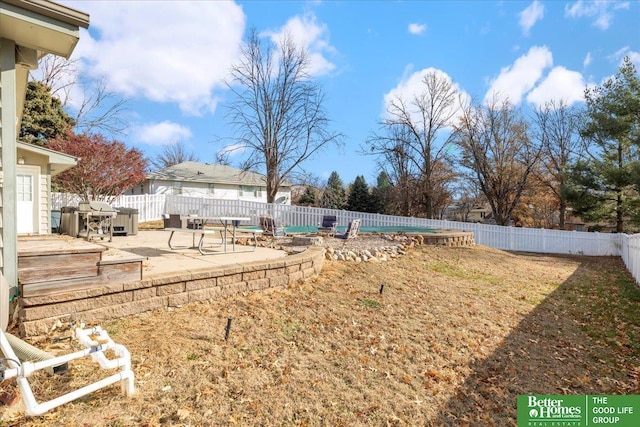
(455, 336)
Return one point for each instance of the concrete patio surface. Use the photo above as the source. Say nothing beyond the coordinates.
(159, 259)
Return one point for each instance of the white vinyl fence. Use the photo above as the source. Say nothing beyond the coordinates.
(631, 254)
(153, 207)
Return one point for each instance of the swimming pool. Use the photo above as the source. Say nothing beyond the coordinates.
(302, 229)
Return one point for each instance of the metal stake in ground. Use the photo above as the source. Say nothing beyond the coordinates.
(381, 288)
(228, 328)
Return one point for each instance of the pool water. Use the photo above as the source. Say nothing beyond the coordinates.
(301, 229)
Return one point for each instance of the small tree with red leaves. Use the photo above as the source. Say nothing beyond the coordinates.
(105, 170)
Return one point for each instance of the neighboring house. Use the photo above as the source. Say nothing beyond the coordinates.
(458, 211)
(35, 167)
(479, 213)
(29, 29)
(223, 182)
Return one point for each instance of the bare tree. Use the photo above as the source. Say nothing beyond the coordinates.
(421, 119)
(60, 74)
(278, 114)
(173, 154)
(100, 110)
(394, 160)
(496, 148)
(558, 134)
(94, 108)
(443, 180)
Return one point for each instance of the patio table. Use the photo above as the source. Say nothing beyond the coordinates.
(228, 227)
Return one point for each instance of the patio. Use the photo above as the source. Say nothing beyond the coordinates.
(103, 280)
(159, 259)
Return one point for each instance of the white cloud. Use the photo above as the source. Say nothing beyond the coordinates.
(532, 14)
(233, 150)
(160, 133)
(626, 51)
(516, 80)
(559, 84)
(587, 60)
(417, 29)
(599, 10)
(412, 86)
(310, 35)
(162, 51)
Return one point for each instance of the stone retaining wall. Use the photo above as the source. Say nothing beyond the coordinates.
(38, 314)
(449, 238)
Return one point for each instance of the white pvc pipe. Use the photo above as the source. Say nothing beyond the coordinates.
(123, 359)
(33, 408)
(30, 367)
(94, 349)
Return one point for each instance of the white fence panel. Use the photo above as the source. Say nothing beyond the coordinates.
(150, 206)
(59, 200)
(631, 254)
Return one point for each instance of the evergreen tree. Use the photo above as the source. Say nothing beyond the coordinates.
(334, 196)
(359, 196)
(43, 118)
(382, 194)
(605, 186)
(308, 198)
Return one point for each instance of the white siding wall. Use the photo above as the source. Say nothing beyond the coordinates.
(216, 191)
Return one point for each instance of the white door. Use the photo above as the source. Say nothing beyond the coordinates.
(26, 199)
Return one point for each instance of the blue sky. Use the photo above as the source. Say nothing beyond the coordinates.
(170, 58)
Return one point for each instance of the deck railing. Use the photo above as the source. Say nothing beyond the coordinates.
(153, 207)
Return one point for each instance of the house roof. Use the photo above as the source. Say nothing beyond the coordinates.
(208, 173)
(45, 26)
(59, 161)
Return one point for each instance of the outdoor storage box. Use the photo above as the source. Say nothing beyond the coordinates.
(126, 222)
(69, 221)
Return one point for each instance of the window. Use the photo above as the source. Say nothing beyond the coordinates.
(250, 191)
(211, 188)
(24, 184)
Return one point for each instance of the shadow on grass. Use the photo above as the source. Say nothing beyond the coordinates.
(584, 338)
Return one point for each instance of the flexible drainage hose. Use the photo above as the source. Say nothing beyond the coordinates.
(27, 352)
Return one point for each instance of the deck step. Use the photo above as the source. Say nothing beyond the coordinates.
(110, 272)
(52, 267)
(59, 286)
(59, 265)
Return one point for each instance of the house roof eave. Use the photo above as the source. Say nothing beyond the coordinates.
(44, 26)
(58, 161)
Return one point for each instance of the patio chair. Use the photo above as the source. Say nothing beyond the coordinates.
(270, 227)
(328, 224)
(352, 230)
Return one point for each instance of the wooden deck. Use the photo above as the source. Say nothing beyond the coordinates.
(55, 263)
